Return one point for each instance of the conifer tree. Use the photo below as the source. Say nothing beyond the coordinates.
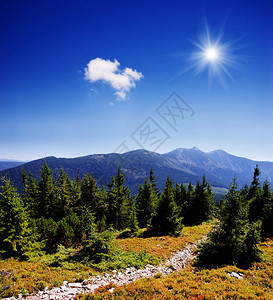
(167, 220)
(233, 241)
(146, 203)
(181, 198)
(118, 202)
(46, 192)
(133, 221)
(254, 197)
(63, 196)
(14, 231)
(92, 197)
(152, 180)
(267, 214)
(202, 205)
(30, 195)
(189, 209)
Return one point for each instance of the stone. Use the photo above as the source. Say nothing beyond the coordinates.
(75, 285)
(85, 282)
(65, 283)
(234, 274)
(69, 290)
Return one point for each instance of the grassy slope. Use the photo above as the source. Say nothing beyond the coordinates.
(31, 277)
(191, 283)
(163, 247)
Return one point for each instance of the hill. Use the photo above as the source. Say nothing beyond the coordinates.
(7, 164)
(183, 165)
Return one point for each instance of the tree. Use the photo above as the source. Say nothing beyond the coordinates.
(46, 192)
(202, 206)
(14, 231)
(152, 181)
(234, 241)
(188, 209)
(181, 197)
(118, 202)
(267, 214)
(146, 203)
(254, 197)
(133, 221)
(167, 220)
(30, 195)
(63, 199)
(92, 198)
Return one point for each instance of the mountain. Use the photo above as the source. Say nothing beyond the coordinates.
(183, 165)
(7, 164)
(220, 166)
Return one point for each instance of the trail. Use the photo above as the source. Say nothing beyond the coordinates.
(69, 290)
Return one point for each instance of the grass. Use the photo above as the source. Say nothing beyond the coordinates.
(192, 283)
(29, 277)
(51, 271)
(163, 247)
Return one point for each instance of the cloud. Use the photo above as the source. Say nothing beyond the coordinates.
(110, 73)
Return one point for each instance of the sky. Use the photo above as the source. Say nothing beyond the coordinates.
(84, 77)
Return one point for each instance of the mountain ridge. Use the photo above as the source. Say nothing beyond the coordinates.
(181, 164)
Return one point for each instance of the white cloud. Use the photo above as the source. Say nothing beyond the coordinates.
(121, 95)
(110, 73)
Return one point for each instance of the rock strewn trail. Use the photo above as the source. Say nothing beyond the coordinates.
(70, 290)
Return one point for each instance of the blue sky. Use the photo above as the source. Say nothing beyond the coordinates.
(52, 103)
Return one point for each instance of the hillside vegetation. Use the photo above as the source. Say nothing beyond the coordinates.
(194, 283)
(71, 229)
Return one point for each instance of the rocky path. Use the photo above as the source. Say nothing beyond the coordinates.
(70, 290)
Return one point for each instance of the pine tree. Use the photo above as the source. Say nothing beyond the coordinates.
(152, 181)
(14, 231)
(234, 241)
(118, 202)
(145, 203)
(267, 215)
(166, 220)
(189, 210)
(92, 198)
(255, 184)
(63, 196)
(202, 204)
(133, 221)
(30, 195)
(254, 197)
(46, 192)
(181, 197)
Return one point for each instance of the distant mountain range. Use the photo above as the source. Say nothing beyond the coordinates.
(7, 164)
(183, 165)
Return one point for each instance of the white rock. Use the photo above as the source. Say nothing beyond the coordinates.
(75, 285)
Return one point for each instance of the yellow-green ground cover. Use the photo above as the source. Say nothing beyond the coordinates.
(163, 247)
(29, 277)
(192, 283)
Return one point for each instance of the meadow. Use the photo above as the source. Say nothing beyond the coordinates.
(194, 283)
(26, 277)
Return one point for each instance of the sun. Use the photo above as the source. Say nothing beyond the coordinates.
(213, 56)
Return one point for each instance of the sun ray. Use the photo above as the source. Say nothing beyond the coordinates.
(214, 56)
